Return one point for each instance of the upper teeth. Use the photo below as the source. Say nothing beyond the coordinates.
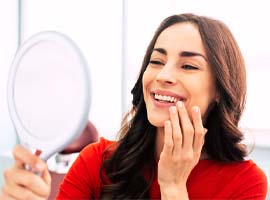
(165, 98)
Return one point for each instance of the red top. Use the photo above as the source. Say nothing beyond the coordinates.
(208, 180)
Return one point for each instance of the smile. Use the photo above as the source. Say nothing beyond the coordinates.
(166, 98)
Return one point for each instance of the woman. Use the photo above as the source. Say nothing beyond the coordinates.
(183, 140)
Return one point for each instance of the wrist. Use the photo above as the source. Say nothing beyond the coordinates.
(174, 192)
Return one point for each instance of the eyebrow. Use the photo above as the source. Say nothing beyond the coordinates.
(182, 54)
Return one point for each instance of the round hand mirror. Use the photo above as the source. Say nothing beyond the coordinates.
(48, 92)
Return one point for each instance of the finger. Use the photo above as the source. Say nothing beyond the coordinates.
(23, 156)
(199, 130)
(28, 180)
(168, 141)
(187, 127)
(176, 130)
(47, 177)
(19, 193)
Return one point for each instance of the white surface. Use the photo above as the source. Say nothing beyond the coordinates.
(8, 41)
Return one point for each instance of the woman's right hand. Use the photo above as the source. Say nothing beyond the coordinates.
(23, 184)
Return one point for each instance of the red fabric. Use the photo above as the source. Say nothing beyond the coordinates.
(208, 180)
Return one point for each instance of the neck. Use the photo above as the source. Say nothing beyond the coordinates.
(160, 143)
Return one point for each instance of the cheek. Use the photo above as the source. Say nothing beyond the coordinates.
(144, 84)
(146, 80)
(204, 97)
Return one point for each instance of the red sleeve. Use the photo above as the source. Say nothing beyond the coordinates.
(253, 184)
(83, 180)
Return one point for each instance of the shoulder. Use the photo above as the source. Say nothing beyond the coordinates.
(244, 170)
(250, 166)
(234, 180)
(94, 151)
(233, 167)
(98, 146)
(252, 181)
(248, 169)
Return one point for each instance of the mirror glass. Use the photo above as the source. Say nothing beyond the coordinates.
(49, 92)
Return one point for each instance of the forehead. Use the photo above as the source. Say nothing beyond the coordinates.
(181, 37)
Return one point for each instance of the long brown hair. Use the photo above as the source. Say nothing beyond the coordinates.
(134, 156)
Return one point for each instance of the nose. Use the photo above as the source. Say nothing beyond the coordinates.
(166, 74)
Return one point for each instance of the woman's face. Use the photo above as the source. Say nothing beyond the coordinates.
(178, 71)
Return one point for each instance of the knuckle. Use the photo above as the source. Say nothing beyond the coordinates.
(187, 157)
(190, 130)
(29, 182)
(34, 160)
(7, 173)
(200, 133)
(26, 195)
(168, 145)
(176, 159)
(177, 136)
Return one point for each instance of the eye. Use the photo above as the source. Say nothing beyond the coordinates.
(189, 67)
(155, 62)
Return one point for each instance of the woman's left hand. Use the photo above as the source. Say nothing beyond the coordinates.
(183, 142)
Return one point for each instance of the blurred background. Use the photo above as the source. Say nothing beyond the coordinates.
(113, 36)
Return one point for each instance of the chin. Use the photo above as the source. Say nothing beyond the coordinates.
(157, 121)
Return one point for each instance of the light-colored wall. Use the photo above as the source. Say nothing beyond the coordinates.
(8, 41)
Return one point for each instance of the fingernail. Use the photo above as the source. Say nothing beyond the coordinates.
(173, 109)
(38, 152)
(180, 104)
(196, 109)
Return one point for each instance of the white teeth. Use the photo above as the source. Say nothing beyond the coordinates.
(165, 98)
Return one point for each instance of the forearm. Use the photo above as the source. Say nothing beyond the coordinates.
(174, 193)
